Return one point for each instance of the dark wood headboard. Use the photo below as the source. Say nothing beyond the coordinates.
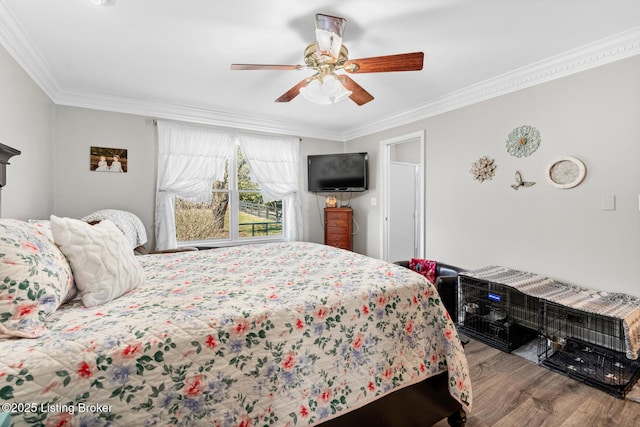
(6, 153)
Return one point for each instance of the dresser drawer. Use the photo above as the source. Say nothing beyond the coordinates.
(337, 230)
(338, 221)
(338, 242)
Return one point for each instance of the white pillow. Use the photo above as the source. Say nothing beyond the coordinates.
(103, 264)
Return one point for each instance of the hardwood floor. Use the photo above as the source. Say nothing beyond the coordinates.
(511, 391)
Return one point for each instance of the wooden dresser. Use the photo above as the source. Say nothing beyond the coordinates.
(338, 227)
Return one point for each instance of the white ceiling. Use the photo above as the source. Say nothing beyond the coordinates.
(171, 58)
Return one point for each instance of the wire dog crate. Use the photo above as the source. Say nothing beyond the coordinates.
(496, 314)
(587, 347)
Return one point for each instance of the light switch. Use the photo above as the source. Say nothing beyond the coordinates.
(609, 202)
(374, 201)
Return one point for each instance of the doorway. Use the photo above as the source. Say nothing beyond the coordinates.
(402, 198)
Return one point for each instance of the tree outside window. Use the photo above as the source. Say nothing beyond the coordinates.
(236, 211)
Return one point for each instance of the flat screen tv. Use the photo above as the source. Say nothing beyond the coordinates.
(337, 172)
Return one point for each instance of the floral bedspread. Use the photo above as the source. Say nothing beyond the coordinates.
(283, 334)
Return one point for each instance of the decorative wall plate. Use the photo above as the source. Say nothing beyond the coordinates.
(523, 141)
(565, 172)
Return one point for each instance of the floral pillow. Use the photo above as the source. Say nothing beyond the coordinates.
(35, 279)
(43, 225)
(425, 267)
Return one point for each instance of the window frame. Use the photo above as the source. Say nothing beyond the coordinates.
(234, 238)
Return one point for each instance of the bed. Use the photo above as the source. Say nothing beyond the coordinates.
(277, 334)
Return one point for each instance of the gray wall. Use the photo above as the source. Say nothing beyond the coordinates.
(312, 203)
(80, 191)
(559, 233)
(25, 124)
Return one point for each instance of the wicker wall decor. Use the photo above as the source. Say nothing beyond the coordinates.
(483, 169)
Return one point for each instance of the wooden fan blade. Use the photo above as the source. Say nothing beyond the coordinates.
(358, 94)
(266, 67)
(294, 91)
(382, 64)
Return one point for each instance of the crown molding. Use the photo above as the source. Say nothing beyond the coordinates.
(602, 52)
(20, 47)
(169, 111)
(17, 43)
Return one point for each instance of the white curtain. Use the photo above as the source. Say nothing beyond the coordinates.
(274, 162)
(190, 158)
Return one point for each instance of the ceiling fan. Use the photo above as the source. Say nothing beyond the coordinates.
(327, 55)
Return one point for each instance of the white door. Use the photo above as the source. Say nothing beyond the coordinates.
(403, 199)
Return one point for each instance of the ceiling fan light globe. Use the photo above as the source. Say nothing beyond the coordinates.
(327, 91)
(313, 92)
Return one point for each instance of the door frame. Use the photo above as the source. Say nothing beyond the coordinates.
(385, 158)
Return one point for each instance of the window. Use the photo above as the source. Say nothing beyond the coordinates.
(236, 212)
(191, 157)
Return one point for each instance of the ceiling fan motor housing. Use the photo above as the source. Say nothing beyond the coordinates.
(312, 60)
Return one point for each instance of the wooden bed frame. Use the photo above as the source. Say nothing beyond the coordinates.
(6, 153)
(419, 405)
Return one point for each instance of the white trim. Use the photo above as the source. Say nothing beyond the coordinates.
(385, 145)
(24, 52)
(602, 52)
(184, 113)
(227, 243)
(610, 49)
